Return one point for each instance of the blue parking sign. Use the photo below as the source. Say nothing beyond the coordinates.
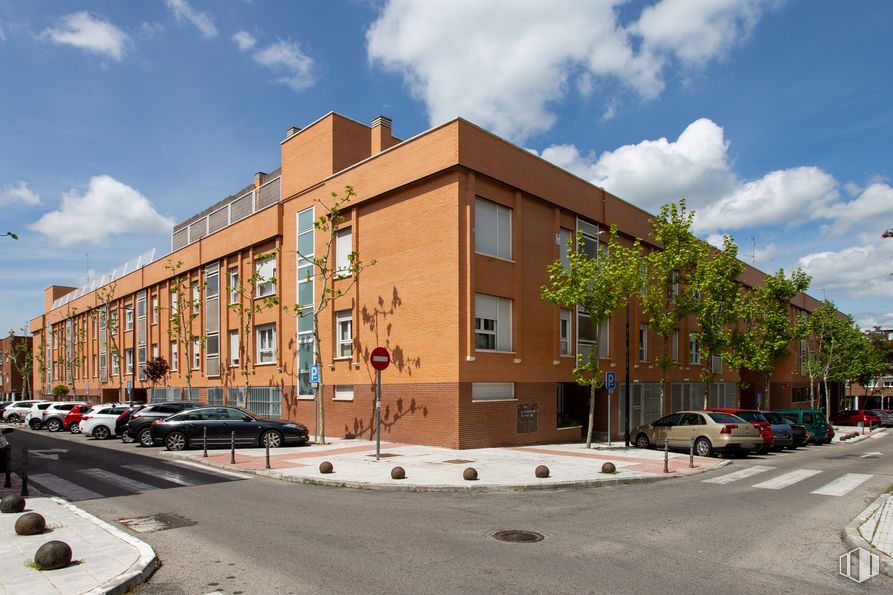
(610, 381)
(314, 373)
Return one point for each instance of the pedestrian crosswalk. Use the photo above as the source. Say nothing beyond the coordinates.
(93, 482)
(839, 486)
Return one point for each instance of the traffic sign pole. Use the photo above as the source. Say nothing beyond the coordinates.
(610, 384)
(380, 359)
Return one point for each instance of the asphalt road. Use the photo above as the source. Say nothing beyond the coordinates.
(686, 535)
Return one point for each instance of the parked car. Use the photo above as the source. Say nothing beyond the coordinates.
(814, 421)
(886, 418)
(72, 419)
(4, 405)
(856, 417)
(19, 409)
(123, 420)
(138, 426)
(99, 422)
(756, 419)
(54, 415)
(782, 432)
(188, 429)
(712, 431)
(34, 418)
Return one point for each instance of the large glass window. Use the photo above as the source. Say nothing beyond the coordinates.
(492, 228)
(493, 323)
(305, 233)
(266, 344)
(265, 269)
(344, 325)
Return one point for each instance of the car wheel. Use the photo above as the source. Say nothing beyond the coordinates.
(127, 438)
(54, 425)
(271, 438)
(642, 441)
(101, 432)
(13, 418)
(175, 441)
(34, 424)
(145, 437)
(703, 448)
(75, 428)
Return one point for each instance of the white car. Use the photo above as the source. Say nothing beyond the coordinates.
(99, 422)
(18, 410)
(54, 415)
(34, 419)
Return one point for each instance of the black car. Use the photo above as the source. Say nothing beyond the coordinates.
(123, 420)
(219, 423)
(138, 426)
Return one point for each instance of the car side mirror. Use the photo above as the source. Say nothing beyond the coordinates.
(246, 418)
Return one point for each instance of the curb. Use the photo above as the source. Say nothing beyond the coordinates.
(362, 485)
(853, 538)
(138, 573)
(862, 437)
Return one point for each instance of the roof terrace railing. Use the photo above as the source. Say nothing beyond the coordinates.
(128, 267)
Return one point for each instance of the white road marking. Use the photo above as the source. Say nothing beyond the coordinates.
(843, 485)
(881, 435)
(218, 472)
(171, 476)
(787, 479)
(63, 487)
(53, 453)
(743, 474)
(125, 483)
(869, 455)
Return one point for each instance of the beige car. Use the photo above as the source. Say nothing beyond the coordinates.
(713, 432)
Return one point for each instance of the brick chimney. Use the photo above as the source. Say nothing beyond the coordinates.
(381, 135)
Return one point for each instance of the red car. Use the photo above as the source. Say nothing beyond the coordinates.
(73, 418)
(856, 417)
(756, 419)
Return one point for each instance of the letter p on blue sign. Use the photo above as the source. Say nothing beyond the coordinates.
(610, 381)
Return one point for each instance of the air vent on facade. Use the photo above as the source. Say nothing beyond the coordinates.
(292, 131)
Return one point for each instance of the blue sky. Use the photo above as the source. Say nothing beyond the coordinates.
(773, 118)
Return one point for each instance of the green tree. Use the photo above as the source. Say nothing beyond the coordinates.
(669, 276)
(184, 309)
(828, 347)
(106, 313)
(335, 280)
(22, 357)
(600, 286)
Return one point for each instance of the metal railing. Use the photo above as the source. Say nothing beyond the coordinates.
(215, 396)
(128, 267)
(265, 401)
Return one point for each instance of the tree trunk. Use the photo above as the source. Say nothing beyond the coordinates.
(320, 395)
(768, 402)
(591, 415)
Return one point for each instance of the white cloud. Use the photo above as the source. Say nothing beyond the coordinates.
(286, 59)
(244, 40)
(184, 13)
(107, 208)
(870, 212)
(93, 34)
(149, 30)
(858, 271)
(869, 320)
(502, 63)
(18, 192)
(2, 33)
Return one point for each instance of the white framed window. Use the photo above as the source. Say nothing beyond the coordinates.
(233, 280)
(344, 392)
(586, 335)
(344, 326)
(492, 323)
(716, 364)
(196, 298)
(266, 344)
(564, 332)
(128, 361)
(95, 366)
(128, 318)
(196, 354)
(675, 344)
(115, 366)
(565, 246)
(174, 305)
(492, 391)
(154, 309)
(265, 269)
(175, 360)
(694, 349)
(154, 350)
(590, 237)
(492, 228)
(643, 342)
(343, 250)
(233, 349)
(113, 326)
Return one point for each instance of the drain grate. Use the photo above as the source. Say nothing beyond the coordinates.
(156, 522)
(458, 461)
(518, 536)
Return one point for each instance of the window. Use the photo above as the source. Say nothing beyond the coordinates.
(196, 354)
(344, 325)
(154, 309)
(196, 297)
(694, 349)
(586, 336)
(265, 270)
(564, 332)
(128, 318)
(174, 305)
(716, 364)
(234, 348)
(343, 251)
(304, 273)
(344, 392)
(675, 344)
(492, 391)
(128, 361)
(95, 367)
(266, 344)
(590, 237)
(234, 285)
(113, 325)
(492, 229)
(643, 342)
(174, 359)
(493, 323)
(565, 246)
(154, 350)
(116, 366)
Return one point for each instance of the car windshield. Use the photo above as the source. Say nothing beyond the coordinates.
(774, 418)
(725, 418)
(751, 416)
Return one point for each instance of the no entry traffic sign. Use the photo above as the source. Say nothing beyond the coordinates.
(380, 358)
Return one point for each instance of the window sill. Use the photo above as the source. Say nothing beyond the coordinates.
(306, 398)
(509, 260)
(494, 351)
(343, 400)
(266, 295)
(259, 364)
(343, 359)
(493, 400)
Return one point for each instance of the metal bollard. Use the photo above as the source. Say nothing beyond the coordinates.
(24, 472)
(205, 441)
(666, 456)
(863, 428)
(7, 456)
(232, 447)
(691, 454)
(268, 454)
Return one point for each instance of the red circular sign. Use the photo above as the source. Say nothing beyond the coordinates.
(380, 358)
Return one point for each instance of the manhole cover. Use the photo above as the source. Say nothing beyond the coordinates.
(156, 522)
(518, 536)
(385, 455)
(458, 461)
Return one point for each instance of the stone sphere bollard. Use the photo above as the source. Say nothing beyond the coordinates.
(542, 472)
(609, 468)
(12, 503)
(398, 473)
(30, 523)
(53, 555)
(326, 467)
(470, 474)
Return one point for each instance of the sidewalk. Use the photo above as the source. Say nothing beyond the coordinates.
(864, 434)
(439, 469)
(872, 530)
(104, 559)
